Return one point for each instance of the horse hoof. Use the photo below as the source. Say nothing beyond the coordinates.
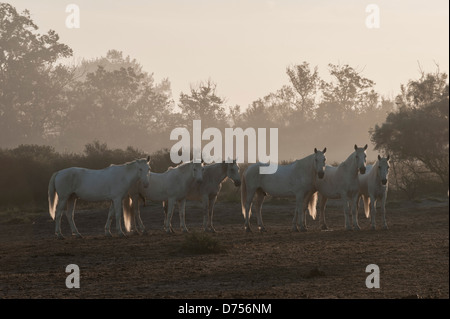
(357, 228)
(295, 229)
(372, 228)
(108, 234)
(185, 230)
(262, 229)
(248, 229)
(385, 227)
(324, 227)
(303, 229)
(77, 235)
(59, 236)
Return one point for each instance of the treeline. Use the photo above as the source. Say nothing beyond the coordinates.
(26, 169)
(113, 100)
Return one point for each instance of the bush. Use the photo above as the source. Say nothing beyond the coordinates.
(27, 169)
(201, 243)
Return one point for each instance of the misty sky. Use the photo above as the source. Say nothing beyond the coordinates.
(245, 45)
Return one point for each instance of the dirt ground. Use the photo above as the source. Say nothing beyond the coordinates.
(412, 256)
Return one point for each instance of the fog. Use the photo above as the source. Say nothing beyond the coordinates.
(50, 94)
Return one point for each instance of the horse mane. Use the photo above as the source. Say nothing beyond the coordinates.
(304, 161)
(138, 160)
(181, 166)
(348, 160)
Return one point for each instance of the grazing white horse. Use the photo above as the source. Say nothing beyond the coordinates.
(373, 186)
(296, 179)
(172, 186)
(342, 183)
(111, 183)
(206, 192)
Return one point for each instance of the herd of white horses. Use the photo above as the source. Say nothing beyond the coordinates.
(308, 180)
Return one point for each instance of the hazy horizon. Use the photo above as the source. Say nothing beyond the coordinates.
(245, 46)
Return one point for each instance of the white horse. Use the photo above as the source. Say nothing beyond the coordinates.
(206, 192)
(373, 186)
(342, 183)
(172, 186)
(297, 180)
(111, 183)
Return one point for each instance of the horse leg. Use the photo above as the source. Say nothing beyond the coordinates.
(118, 210)
(322, 205)
(182, 211)
(247, 207)
(212, 202)
(354, 212)
(205, 203)
(165, 205)
(109, 220)
(58, 215)
(70, 212)
(373, 212)
(383, 211)
(168, 219)
(137, 213)
(300, 209)
(305, 210)
(348, 225)
(260, 195)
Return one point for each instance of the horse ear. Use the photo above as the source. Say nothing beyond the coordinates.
(387, 158)
(379, 157)
(315, 150)
(148, 158)
(324, 150)
(365, 147)
(356, 147)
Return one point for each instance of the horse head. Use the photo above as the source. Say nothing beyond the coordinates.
(197, 170)
(319, 162)
(383, 169)
(360, 157)
(233, 173)
(144, 171)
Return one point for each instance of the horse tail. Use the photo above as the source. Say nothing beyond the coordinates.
(244, 195)
(127, 205)
(366, 200)
(52, 196)
(312, 205)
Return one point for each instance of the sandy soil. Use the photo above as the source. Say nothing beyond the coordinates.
(413, 257)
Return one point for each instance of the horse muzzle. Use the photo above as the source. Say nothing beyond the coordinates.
(320, 175)
(362, 170)
(237, 183)
(384, 181)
